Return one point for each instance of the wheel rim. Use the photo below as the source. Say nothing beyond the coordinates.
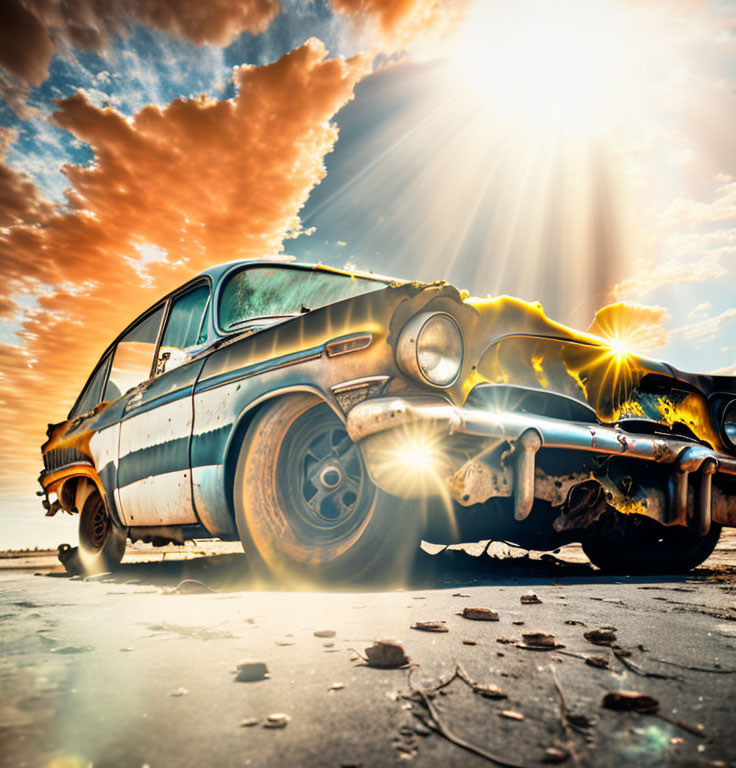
(95, 524)
(321, 480)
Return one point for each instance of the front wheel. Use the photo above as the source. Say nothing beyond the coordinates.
(633, 544)
(305, 507)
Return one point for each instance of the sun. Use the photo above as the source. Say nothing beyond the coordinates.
(569, 65)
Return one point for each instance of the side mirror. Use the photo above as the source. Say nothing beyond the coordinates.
(163, 358)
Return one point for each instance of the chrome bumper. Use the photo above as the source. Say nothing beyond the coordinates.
(527, 433)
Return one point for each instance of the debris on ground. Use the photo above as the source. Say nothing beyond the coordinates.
(556, 755)
(324, 633)
(249, 671)
(469, 642)
(630, 701)
(529, 599)
(431, 626)
(597, 661)
(604, 636)
(336, 687)
(506, 640)
(249, 722)
(574, 623)
(517, 623)
(277, 720)
(510, 714)
(384, 654)
(430, 718)
(69, 557)
(479, 614)
(179, 692)
(190, 587)
(538, 641)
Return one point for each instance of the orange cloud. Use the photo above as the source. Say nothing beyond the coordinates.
(19, 199)
(196, 182)
(31, 30)
(399, 22)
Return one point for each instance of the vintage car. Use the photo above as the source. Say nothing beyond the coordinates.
(330, 420)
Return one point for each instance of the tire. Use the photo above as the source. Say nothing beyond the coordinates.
(305, 507)
(101, 541)
(638, 545)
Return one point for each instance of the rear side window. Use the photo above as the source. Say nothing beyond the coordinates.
(92, 393)
(184, 327)
(133, 357)
(268, 291)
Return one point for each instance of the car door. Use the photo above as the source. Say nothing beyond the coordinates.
(154, 476)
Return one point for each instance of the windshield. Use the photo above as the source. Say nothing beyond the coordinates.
(266, 291)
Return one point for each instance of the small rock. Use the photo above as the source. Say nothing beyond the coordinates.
(469, 642)
(597, 661)
(555, 755)
(328, 645)
(538, 641)
(336, 687)
(574, 623)
(530, 599)
(604, 636)
(249, 671)
(630, 701)
(127, 650)
(517, 623)
(479, 614)
(249, 722)
(277, 720)
(324, 633)
(431, 626)
(386, 654)
(676, 740)
(421, 730)
(509, 714)
(490, 691)
(506, 640)
(179, 692)
(284, 642)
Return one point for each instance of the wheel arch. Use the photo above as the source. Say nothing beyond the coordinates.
(243, 423)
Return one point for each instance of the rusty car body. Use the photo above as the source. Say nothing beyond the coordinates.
(331, 419)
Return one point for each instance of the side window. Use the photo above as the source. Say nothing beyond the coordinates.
(131, 363)
(92, 393)
(184, 327)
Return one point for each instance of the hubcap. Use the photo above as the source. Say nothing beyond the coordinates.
(96, 524)
(322, 471)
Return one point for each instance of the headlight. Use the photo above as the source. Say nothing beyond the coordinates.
(430, 348)
(728, 424)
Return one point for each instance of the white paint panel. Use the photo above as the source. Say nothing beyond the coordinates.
(160, 500)
(159, 425)
(211, 408)
(104, 446)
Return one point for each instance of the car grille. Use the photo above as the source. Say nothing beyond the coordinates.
(60, 457)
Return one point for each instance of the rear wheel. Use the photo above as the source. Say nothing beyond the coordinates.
(305, 506)
(101, 542)
(633, 544)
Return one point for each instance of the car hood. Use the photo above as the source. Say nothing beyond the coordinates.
(512, 342)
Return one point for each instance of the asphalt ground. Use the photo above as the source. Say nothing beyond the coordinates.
(121, 670)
